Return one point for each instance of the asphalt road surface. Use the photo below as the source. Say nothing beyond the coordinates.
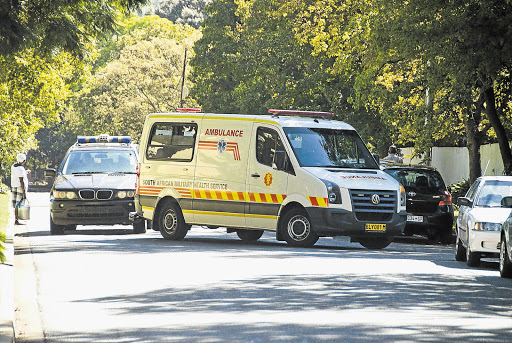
(106, 284)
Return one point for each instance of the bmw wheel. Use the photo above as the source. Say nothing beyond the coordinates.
(56, 229)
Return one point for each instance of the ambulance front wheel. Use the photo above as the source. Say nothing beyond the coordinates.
(296, 229)
(171, 223)
(249, 235)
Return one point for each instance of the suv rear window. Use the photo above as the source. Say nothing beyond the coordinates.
(420, 181)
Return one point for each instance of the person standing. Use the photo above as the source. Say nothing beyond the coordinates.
(392, 155)
(19, 183)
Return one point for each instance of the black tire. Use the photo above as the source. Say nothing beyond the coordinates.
(505, 263)
(472, 258)
(56, 229)
(139, 226)
(460, 251)
(375, 242)
(296, 229)
(71, 227)
(171, 222)
(446, 235)
(249, 235)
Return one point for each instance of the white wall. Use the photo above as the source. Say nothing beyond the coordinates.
(453, 162)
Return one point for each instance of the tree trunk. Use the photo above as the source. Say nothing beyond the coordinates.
(501, 133)
(474, 141)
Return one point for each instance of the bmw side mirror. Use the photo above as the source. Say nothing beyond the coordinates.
(50, 172)
(506, 202)
(463, 201)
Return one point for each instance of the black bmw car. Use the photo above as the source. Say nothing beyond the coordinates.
(429, 203)
(95, 184)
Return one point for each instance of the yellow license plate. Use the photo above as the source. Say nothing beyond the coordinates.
(375, 227)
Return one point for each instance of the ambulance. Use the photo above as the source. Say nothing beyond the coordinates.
(299, 174)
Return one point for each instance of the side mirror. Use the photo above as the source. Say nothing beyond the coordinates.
(50, 172)
(463, 201)
(506, 202)
(280, 160)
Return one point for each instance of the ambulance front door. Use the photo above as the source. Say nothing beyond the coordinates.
(267, 186)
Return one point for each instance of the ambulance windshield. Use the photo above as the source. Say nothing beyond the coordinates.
(329, 148)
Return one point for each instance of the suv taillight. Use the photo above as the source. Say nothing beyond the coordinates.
(446, 199)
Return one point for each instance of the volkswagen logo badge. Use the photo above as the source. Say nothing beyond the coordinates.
(375, 199)
(411, 194)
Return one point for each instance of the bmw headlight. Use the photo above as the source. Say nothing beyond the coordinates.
(333, 192)
(121, 194)
(485, 226)
(64, 195)
(130, 194)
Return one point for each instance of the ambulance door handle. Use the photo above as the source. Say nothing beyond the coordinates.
(185, 169)
(255, 175)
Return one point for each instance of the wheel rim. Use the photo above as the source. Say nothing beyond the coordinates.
(170, 221)
(299, 228)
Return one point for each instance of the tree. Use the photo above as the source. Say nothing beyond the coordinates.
(191, 12)
(58, 24)
(142, 75)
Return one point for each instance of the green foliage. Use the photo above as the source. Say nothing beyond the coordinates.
(137, 74)
(191, 12)
(58, 24)
(459, 189)
(4, 219)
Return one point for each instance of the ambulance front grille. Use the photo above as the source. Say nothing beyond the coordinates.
(365, 210)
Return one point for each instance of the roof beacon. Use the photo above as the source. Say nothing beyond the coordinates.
(188, 109)
(103, 139)
(278, 113)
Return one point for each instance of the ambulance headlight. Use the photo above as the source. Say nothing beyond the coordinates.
(333, 192)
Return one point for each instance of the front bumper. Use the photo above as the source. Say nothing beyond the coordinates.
(484, 241)
(81, 212)
(338, 222)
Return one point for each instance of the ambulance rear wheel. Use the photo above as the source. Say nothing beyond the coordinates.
(249, 235)
(171, 222)
(296, 229)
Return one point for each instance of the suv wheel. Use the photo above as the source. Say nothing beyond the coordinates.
(139, 226)
(56, 229)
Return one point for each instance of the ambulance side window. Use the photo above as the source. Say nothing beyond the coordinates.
(267, 143)
(172, 142)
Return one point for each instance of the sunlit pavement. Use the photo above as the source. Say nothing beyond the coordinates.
(102, 284)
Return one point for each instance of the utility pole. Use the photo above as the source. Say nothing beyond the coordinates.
(183, 79)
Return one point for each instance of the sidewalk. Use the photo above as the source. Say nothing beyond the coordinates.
(7, 288)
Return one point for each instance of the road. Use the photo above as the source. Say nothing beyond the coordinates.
(105, 284)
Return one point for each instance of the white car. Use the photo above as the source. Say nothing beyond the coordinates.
(506, 242)
(480, 219)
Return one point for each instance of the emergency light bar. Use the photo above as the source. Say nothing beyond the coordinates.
(301, 113)
(188, 109)
(103, 139)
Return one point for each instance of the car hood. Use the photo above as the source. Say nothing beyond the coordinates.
(96, 181)
(490, 214)
(356, 178)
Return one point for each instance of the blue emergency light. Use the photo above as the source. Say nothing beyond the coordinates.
(103, 139)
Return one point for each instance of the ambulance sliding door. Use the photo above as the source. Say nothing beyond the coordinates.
(267, 185)
(220, 187)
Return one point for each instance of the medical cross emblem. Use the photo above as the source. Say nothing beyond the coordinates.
(221, 146)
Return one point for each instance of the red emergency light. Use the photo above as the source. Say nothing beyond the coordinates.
(301, 113)
(188, 109)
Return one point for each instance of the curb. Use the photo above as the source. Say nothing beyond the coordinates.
(7, 287)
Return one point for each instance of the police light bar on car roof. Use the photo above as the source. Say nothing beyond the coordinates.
(103, 139)
(301, 113)
(188, 109)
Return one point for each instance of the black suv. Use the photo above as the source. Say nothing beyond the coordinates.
(95, 184)
(429, 203)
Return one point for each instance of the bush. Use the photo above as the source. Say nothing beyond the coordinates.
(4, 189)
(459, 189)
(4, 219)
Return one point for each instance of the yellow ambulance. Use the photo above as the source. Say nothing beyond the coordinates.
(297, 173)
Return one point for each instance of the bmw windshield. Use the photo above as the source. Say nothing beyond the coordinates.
(329, 148)
(98, 161)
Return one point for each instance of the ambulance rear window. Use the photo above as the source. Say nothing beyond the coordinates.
(171, 141)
